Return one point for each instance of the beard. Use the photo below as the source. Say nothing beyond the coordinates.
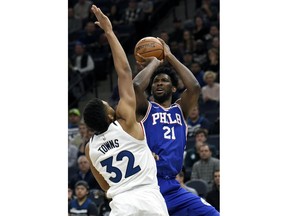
(162, 98)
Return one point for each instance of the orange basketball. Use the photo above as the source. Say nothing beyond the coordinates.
(148, 47)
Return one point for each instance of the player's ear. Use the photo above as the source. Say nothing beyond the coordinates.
(110, 117)
(174, 89)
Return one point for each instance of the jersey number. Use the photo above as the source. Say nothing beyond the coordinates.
(130, 170)
(169, 132)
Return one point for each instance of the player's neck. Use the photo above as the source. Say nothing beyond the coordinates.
(164, 104)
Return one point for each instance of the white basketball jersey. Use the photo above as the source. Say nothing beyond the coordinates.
(124, 162)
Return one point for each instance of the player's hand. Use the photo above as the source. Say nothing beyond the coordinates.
(167, 50)
(147, 60)
(103, 21)
(156, 157)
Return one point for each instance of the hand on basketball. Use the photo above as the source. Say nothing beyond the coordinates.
(147, 60)
(167, 50)
(103, 21)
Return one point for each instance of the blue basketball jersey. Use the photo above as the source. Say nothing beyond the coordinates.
(166, 132)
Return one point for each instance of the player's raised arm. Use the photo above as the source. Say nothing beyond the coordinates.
(189, 98)
(141, 82)
(127, 103)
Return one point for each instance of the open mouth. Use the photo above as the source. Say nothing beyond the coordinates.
(159, 91)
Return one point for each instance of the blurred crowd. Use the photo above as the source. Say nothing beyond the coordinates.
(195, 42)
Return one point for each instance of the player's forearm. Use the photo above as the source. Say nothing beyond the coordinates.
(142, 79)
(187, 77)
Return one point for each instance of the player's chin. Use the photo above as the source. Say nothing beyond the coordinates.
(160, 97)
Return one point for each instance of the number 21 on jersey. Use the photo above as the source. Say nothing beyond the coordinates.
(169, 132)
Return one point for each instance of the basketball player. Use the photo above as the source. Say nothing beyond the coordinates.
(120, 158)
(166, 129)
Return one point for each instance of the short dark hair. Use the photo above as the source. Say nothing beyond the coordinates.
(95, 115)
(166, 70)
(201, 130)
(82, 183)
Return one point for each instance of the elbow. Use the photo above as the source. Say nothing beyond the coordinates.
(196, 89)
(136, 84)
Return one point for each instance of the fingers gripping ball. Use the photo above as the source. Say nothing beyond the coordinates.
(149, 47)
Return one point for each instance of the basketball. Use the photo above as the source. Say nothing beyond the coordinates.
(148, 47)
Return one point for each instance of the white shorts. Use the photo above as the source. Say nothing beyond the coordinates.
(139, 202)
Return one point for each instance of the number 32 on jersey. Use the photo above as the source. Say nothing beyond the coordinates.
(130, 169)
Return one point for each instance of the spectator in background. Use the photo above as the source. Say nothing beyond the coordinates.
(83, 62)
(82, 205)
(164, 36)
(84, 173)
(74, 119)
(177, 33)
(75, 86)
(213, 196)
(70, 194)
(133, 13)
(188, 43)
(200, 53)
(115, 16)
(72, 155)
(200, 29)
(147, 8)
(208, 10)
(205, 167)
(187, 59)
(196, 121)
(192, 154)
(215, 44)
(175, 49)
(213, 63)
(74, 25)
(145, 25)
(82, 9)
(88, 134)
(213, 32)
(78, 139)
(211, 91)
(90, 37)
(197, 71)
(180, 179)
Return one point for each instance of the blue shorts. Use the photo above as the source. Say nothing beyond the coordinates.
(180, 202)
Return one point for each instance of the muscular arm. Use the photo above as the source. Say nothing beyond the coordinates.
(127, 103)
(189, 98)
(141, 82)
(126, 108)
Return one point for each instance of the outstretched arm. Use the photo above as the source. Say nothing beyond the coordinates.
(127, 103)
(189, 98)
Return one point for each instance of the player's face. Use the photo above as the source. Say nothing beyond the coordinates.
(161, 88)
